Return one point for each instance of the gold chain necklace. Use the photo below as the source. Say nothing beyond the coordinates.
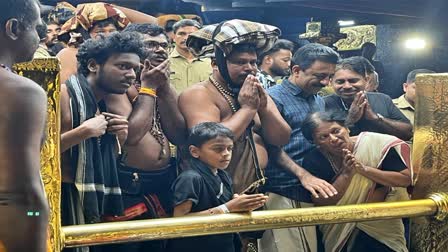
(332, 163)
(225, 93)
(156, 129)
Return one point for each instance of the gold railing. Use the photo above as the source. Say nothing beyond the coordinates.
(143, 230)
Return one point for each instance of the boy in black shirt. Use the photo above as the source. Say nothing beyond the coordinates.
(205, 188)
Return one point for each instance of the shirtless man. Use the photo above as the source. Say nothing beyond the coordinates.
(216, 101)
(147, 169)
(91, 134)
(23, 110)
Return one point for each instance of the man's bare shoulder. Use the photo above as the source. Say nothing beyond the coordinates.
(19, 91)
(199, 90)
(24, 111)
(67, 52)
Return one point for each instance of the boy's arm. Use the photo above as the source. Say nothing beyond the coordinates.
(185, 209)
(239, 203)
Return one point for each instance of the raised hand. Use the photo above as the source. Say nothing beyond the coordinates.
(95, 127)
(356, 111)
(246, 202)
(155, 76)
(350, 163)
(249, 95)
(263, 96)
(369, 114)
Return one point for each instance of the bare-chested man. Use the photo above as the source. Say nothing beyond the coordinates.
(234, 97)
(91, 135)
(146, 167)
(23, 111)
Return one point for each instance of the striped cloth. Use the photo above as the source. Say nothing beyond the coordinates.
(61, 13)
(233, 32)
(94, 159)
(87, 14)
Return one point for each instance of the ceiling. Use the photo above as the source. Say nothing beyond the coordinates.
(421, 12)
(367, 11)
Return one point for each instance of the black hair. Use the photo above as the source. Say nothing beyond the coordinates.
(52, 22)
(206, 131)
(243, 48)
(149, 29)
(357, 64)
(312, 121)
(368, 49)
(86, 34)
(105, 22)
(281, 44)
(169, 25)
(185, 23)
(309, 53)
(101, 48)
(22, 10)
(413, 74)
(56, 48)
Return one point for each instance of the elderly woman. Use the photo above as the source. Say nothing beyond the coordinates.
(371, 167)
(366, 111)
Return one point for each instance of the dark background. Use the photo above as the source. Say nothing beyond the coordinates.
(396, 20)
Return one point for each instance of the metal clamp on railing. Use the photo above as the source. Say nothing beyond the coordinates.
(142, 230)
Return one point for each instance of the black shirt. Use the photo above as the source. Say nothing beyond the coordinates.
(380, 103)
(191, 185)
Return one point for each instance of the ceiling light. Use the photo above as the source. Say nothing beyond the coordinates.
(346, 22)
(415, 43)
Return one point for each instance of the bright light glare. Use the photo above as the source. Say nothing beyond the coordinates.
(346, 22)
(415, 43)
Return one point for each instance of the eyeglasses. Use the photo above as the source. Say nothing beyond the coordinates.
(155, 44)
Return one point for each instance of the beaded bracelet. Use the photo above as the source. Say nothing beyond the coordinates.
(148, 91)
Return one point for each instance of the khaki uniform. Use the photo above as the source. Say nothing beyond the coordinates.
(185, 74)
(41, 53)
(405, 108)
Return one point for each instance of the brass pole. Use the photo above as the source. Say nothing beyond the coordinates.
(132, 231)
(45, 72)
